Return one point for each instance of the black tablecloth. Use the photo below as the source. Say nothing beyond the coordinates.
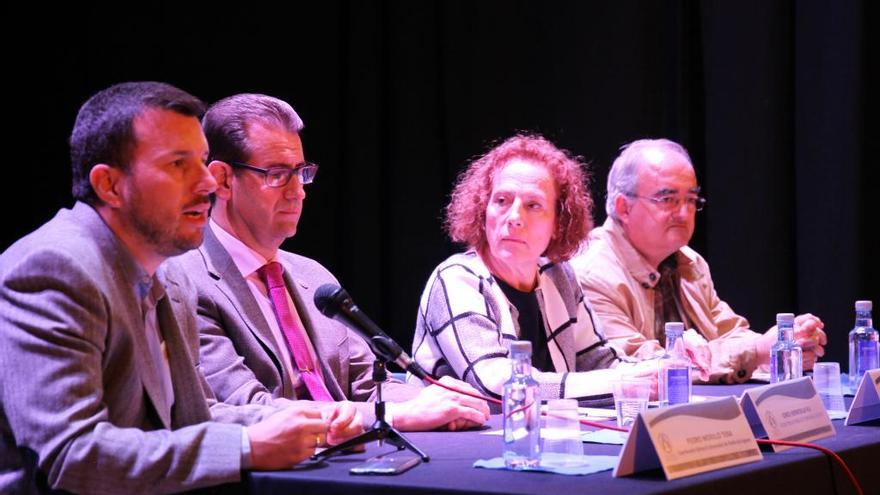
(450, 470)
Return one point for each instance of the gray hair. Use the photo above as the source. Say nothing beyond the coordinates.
(625, 171)
(226, 123)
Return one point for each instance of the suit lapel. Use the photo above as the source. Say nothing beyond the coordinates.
(147, 368)
(127, 274)
(185, 381)
(558, 316)
(233, 285)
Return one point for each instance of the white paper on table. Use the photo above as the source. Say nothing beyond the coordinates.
(596, 413)
(837, 415)
(607, 437)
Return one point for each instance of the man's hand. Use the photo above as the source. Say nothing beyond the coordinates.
(436, 407)
(286, 437)
(345, 421)
(648, 370)
(809, 333)
(697, 350)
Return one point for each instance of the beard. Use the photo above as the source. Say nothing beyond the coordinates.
(163, 234)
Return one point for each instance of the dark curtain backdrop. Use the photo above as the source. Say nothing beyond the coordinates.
(774, 99)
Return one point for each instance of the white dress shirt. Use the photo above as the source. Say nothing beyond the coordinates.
(248, 262)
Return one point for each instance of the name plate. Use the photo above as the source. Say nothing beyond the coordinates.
(790, 410)
(688, 439)
(866, 404)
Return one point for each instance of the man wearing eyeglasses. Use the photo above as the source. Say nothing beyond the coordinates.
(262, 339)
(639, 273)
(100, 390)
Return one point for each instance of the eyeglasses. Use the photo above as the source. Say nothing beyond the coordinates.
(277, 176)
(672, 203)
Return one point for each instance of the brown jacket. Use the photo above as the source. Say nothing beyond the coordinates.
(619, 283)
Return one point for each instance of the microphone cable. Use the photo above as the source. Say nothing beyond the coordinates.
(329, 298)
(764, 441)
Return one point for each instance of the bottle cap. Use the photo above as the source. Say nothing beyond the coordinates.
(863, 305)
(521, 347)
(674, 327)
(784, 318)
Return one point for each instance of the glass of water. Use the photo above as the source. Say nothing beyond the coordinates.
(826, 378)
(630, 398)
(561, 434)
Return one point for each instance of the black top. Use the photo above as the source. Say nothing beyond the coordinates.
(531, 324)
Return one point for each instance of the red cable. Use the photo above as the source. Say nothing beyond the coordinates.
(825, 451)
(830, 453)
(603, 425)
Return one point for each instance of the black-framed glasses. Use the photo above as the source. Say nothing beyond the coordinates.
(277, 176)
(671, 202)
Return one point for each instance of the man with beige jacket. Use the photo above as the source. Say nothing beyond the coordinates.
(639, 273)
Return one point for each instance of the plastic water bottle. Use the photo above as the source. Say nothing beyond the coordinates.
(863, 354)
(674, 368)
(521, 410)
(786, 356)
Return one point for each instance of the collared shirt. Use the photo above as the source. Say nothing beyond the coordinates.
(620, 283)
(667, 299)
(151, 291)
(248, 262)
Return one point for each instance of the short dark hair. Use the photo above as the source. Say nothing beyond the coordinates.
(104, 127)
(466, 211)
(226, 123)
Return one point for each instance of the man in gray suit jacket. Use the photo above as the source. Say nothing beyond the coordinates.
(100, 387)
(247, 354)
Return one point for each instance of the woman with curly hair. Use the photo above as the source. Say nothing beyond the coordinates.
(522, 209)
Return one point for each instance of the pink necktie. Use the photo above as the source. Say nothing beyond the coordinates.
(271, 275)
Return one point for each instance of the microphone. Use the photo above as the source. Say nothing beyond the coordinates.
(334, 302)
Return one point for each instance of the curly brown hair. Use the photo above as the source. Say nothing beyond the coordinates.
(466, 211)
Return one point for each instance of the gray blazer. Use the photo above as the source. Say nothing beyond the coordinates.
(240, 358)
(78, 410)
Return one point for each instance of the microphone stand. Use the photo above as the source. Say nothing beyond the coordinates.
(381, 430)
